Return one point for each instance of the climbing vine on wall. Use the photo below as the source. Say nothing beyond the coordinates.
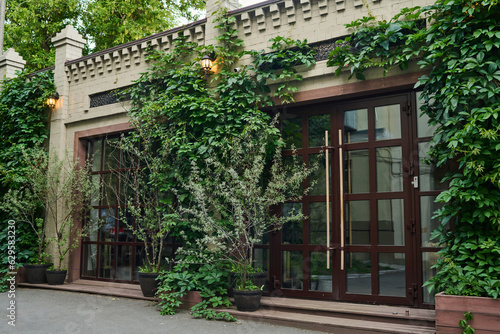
(23, 125)
(458, 42)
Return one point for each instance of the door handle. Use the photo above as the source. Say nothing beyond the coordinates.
(341, 197)
(327, 180)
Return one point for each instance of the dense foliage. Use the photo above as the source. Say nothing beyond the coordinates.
(458, 42)
(30, 25)
(195, 117)
(23, 124)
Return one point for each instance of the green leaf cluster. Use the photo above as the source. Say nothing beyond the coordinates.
(458, 43)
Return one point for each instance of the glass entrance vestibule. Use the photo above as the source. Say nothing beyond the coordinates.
(367, 232)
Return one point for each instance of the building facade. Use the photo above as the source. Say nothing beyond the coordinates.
(378, 208)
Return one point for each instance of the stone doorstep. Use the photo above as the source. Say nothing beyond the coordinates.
(329, 324)
(123, 290)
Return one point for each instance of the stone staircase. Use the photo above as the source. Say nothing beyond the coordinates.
(340, 317)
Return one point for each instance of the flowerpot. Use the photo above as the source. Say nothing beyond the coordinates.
(56, 277)
(191, 299)
(258, 279)
(247, 301)
(35, 273)
(450, 310)
(148, 283)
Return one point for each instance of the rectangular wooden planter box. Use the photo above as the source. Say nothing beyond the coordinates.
(450, 310)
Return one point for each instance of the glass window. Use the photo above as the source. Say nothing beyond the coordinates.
(292, 131)
(357, 222)
(292, 232)
(430, 176)
(291, 271)
(356, 126)
(427, 223)
(319, 175)
(392, 274)
(390, 222)
(429, 259)
(317, 223)
(356, 174)
(388, 122)
(359, 277)
(317, 125)
(320, 278)
(423, 127)
(389, 169)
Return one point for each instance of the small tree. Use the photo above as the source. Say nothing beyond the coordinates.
(148, 199)
(57, 190)
(27, 203)
(233, 196)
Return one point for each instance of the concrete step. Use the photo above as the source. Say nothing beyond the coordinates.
(341, 317)
(379, 313)
(328, 324)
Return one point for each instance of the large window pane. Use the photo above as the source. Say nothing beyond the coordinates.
(106, 261)
(356, 175)
(108, 228)
(389, 169)
(391, 273)
(320, 278)
(430, 176)
(388, 122)
(95, 155)
(292, 270)
(317, 125)
(292, 232)
(292, 131)
(319, 175)
(429, 259)
(109, 186)
(359, 277)
(427, 223)
(110, 154)
(357, 222)
(123, 262)
(390, 222)
(356, 126)
(317, 223)
(423, 127)
(89, 264)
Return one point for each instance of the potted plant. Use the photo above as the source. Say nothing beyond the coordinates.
(27, 205)
(232, 199)
(148, 201)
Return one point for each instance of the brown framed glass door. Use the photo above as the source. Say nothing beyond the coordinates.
(372, 230)
(376, 225)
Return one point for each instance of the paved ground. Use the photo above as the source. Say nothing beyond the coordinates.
(47, 311)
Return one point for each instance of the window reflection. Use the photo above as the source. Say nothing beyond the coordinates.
(430, 176)
(291, 233)
(356, 126)
(356, 175)
(317, 125)
(292, 131)
(389, 169)
(388, 122)
(390, 222)
(392, 274)
(357, 222)
(292, 270)
(359, 277)
(320, 278)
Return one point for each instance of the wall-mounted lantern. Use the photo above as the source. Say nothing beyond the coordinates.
(207, 63)
(52, 99)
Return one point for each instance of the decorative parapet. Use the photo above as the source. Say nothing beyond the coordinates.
(10, 62)
(130, 55)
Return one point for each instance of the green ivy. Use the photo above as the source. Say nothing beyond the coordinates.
(23, 125)
(458, 43)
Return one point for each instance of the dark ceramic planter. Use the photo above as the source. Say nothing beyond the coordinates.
(56, 277)
(258, 279)
(148, 283)
(35, 273)
(247, 301)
